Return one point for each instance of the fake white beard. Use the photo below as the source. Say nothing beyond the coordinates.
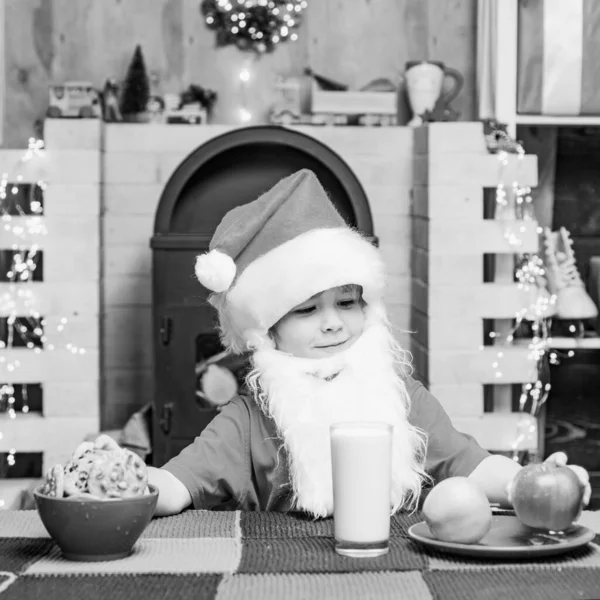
(362, 385)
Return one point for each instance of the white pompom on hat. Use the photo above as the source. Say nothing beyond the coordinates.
(269, 255)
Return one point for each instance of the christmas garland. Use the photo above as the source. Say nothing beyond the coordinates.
(257, 25)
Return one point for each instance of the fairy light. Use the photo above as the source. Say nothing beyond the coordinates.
(25, 327)
(257, 25)
(244, 77)
(515, 204)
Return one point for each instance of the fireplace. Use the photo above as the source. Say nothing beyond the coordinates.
(229, 170)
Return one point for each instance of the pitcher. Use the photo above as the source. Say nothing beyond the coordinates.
(424, 83)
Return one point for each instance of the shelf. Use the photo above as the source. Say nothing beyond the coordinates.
(568, 343)
(575, 121)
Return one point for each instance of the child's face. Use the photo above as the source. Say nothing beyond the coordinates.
(325, 324)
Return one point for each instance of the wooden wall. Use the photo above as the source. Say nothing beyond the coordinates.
(354, 41)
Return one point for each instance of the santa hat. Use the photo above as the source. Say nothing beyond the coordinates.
(270, 255)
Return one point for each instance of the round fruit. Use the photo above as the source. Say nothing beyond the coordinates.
(457, 510)
(546, 496)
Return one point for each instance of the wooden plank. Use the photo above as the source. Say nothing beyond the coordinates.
(34, 433)
(71, 399)
(128, 260)
(29, 366)
(47, 299)
(459, 400)
(71, 134)
(449, 138)
(74, 264)
(81, 199)
(454, 333)
(448, 202)
(501, 432)
(125, 391)
(392, 142)
(51, 233)
(381, 170)
(131, 167)
(478, 169)
(388, 200)
(485, 237)
(127, 290)
(131, 198)
(486, 300)
(488, 365)
(59, 166)
(398, 313)
(457, 269)
(127, 337)
(158, 138)
(79, 331)
(121, 230)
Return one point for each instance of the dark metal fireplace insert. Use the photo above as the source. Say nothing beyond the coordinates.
(229, 170)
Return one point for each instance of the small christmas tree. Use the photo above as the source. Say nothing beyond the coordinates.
(136, 87)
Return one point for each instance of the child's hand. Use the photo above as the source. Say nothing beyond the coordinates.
(560, 459)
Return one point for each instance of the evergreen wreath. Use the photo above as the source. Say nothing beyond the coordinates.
(257, 25)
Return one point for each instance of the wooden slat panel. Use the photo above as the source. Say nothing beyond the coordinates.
(55, 365)
(58, 299)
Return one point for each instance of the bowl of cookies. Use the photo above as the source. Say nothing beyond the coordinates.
(97, 505)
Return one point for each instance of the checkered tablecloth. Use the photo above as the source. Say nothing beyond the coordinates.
(259, 556)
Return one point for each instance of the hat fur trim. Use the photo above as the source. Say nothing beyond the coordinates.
(294, 271)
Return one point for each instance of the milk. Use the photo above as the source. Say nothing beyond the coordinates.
(361, 461)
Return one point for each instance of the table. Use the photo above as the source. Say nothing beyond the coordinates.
(259, 556)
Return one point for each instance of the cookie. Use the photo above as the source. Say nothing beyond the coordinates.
(83, 449)
(118, 475)
(54, 485)
(105, 442)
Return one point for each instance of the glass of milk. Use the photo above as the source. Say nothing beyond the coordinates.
(361, 463)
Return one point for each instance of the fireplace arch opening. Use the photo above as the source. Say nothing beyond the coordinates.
(227, 171)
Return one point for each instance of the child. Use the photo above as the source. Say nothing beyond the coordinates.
(304, 294)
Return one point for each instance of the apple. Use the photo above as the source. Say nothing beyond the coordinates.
(546, 496)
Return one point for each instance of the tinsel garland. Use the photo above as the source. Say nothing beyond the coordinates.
(257, 25)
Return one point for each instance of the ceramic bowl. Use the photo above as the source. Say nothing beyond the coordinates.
(96, 530)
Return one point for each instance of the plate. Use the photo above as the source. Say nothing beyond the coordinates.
(508, 538)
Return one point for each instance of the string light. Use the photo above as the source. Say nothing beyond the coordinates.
(516, 205)
(244, 77)
(257, 25)
(25, 326)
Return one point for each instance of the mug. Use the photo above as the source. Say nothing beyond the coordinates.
(425, 81)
